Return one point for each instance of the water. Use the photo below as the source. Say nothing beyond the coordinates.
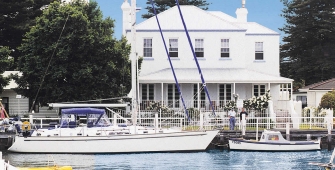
(210, 160)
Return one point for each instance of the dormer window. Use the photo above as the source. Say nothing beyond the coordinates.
(259, 54)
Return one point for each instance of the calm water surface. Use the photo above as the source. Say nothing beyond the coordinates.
(213, 159)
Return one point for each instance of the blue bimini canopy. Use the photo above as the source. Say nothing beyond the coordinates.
(83, 111)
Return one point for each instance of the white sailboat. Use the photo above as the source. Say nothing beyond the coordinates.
(102, 136)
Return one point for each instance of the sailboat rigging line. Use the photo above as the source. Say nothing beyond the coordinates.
(46, 70)
(195, 57)
(167, 53)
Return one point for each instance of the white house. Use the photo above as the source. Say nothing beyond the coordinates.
(314, 92)
(235, 56)
(15, 104)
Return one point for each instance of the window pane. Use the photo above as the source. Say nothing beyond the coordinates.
(144, 92)
(151, 92)
(173, 54)
(259, 56)
(147, 48)
(195, 95)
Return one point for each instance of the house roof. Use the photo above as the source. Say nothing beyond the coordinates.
(12, 83)
(251, 27)
(197, 19)
(170, 20)
(323, 85)
(212, 75)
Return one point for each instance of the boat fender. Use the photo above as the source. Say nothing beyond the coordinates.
(79, 134)
(98, 133)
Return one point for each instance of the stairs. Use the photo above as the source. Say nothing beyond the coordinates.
(282, 116)
(45, 113)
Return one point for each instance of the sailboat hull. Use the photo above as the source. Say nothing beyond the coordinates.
(157, 142)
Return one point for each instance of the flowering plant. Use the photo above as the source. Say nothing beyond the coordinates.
(157, 106)
(230, 105)
(259, 102)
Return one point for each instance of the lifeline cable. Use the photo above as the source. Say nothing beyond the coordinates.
(195, 57)
(174, 74)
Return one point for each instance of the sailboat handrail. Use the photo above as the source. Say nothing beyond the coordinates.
(195, 57)
(167, 53)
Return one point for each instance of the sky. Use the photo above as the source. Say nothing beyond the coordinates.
(264, 12)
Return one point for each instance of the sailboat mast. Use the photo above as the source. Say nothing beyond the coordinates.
(133, 59)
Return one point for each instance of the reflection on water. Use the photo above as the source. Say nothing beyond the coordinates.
(213, 159)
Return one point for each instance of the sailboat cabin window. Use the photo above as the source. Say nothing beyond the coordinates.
(199, 47)
(173, 47)
(147, 47)
(225, 48)
(259, 54)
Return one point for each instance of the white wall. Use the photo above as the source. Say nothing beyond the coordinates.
(242, 51)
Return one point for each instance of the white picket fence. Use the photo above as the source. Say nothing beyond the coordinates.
(206, 120)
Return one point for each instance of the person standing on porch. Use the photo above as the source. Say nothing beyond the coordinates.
(232, 115)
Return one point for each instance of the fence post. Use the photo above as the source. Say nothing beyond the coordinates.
(156, 122)
(201, 121)
(31, 119)
(243, 125)
(288, 131)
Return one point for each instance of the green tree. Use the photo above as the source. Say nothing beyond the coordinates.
(328, 100)
(71, 55)
(308, 51)
(5, 62)
(162, 5)
(16, 18)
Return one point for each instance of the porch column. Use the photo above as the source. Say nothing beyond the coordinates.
(269, 86)
(162, 88)
(234, 89)
(291, 91)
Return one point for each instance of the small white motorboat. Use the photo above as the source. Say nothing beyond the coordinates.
(273, 141)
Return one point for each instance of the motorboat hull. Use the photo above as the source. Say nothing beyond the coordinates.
(126, 143)
(252, 145)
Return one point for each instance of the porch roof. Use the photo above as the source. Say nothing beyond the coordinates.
(212, 75)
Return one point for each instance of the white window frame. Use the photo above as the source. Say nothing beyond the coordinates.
(147, 47)
(175, 101)
(199, 47)
(258, 93)
(225, 51)
(202, 96)
(259, 51)
(225, 92)
(173, 47)
(149, 96)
